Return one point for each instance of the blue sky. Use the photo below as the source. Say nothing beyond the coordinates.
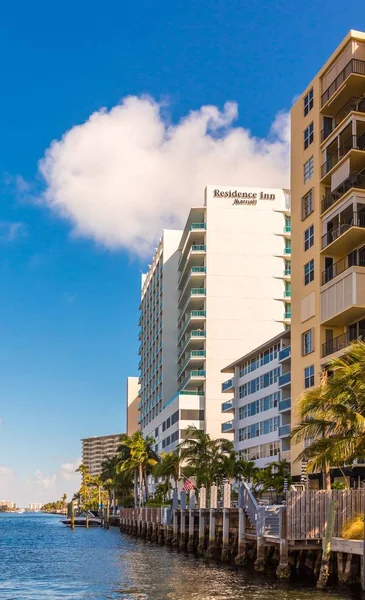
(69, 303)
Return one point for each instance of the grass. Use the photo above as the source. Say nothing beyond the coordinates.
(353, 529)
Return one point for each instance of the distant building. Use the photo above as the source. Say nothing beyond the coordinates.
(7, 504)
(133, 399)
(35, 506)
(260, 401)
(96, 449)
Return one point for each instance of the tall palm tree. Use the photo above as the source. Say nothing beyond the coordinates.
(138, 457)
(169, 467)
(332, 415)
(203, 455)
(109, 477)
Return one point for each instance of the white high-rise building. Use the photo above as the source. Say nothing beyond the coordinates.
(229, 293)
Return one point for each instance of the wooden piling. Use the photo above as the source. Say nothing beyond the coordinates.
(211, 543)
(283, 570)
(225, 535)
(326, 553)
(260, 549)
(241, 542)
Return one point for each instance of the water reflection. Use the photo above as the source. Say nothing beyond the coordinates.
(41, 559)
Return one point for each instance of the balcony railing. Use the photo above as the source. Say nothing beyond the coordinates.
(287, 294)
(228, 426)
(227, 406)
(287, 250)
(284, 404)
(199, 248)
(287, 272)
(342, 341)
(356, 142)
(227, 385)
(285, 379)
(355, 259)
(287, 315)
(355, 220)
(284, 430)
(354, 104)
(287, 229)
(285, 353)
(198, 226)
(355, 180)
(353, 66)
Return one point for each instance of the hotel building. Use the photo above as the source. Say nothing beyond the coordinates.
(260, 402)
(227, 290)
(328, 215)
(96, 449)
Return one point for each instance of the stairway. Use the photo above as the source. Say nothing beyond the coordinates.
(272, 521)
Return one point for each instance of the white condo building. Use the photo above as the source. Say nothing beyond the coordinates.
(218, 288)
(96, 449)
(260, 401)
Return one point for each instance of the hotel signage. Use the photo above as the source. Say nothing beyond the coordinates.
(243, 198)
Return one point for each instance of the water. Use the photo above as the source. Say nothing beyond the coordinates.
(42, 559)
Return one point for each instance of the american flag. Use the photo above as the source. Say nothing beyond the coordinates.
(188, 486)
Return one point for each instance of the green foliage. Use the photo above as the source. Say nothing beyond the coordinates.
(332, 415)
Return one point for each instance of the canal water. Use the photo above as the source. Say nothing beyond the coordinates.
(42, 559)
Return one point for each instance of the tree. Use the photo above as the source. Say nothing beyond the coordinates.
(169, 467)
(332, 415)
(204, 455)
(138, 457)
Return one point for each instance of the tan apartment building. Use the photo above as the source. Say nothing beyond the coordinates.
(96, 449)
(328, 216)
(132, 402)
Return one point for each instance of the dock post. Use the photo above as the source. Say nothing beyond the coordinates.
(175, 532)
(241, 554)
(283, 570)
(260, 530)
(225, 535)
(327, 540)
(202, 508)
(182, 541)
(212, 519)
(87, 519)
(190, 546)
(107, 515)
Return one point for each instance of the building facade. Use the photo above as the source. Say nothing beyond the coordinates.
(328, 215)
(96, 449)
(132, 402)
(230, 291)
(259, 400)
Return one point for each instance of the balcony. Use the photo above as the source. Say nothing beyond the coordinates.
(194, 295)
(342, 341)
(195, 278)
(193, 379)
(353, 142)
(197, 336)
(355, 180)
(355, 104)
(354, 259)
(194, 355)
(198, 226)
(227, 406)
(285, 354)
(227, 386)
(343, 300)
(285, 379)
(346, 235)
(226, 427)
(287, 315)
(195, 316)
(285, 405)
(193, 254)
(353, 67)
(284, 431)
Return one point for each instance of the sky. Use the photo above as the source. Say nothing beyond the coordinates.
(113, 118)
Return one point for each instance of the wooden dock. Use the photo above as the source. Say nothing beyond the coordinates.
(290, 536)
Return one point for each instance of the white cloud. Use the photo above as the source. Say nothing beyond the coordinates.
(67, 470)
(9, 232)
(126, 173)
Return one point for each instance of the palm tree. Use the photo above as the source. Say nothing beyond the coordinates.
(204, 455)
(109, 476)
(332, 415)
(169, 467)
(138, 457)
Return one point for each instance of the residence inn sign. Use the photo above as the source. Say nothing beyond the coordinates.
(244, 198)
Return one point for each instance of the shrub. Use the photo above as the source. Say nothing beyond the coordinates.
(353, 529)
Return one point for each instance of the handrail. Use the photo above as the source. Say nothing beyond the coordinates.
(355, 220)
(355, 180)
(356, 142)
(353, 66)
(354, 260)
(249, 503)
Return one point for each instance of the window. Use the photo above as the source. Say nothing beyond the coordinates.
(156, 432)
(307, 342)
(307, 205)
(309, 272)
(309, 376)
(308, 169)
(308, 102)
(308, 238)
(308, 135)
(191, 415)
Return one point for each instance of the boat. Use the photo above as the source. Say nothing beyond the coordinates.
(80, 520)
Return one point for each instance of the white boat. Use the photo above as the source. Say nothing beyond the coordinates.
(80, 520)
